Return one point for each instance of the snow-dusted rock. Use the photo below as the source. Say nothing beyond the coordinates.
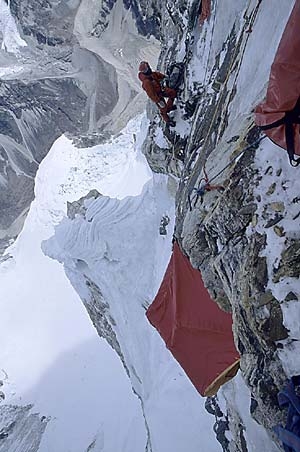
(242, 238)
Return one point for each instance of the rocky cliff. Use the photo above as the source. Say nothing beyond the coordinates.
(241, 236)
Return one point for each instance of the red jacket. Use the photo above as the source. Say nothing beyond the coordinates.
(151, 84)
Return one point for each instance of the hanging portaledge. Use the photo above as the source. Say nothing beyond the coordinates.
(194, 328)
(279, 114)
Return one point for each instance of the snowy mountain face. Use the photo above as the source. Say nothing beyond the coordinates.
(71, 67)
(54, 81)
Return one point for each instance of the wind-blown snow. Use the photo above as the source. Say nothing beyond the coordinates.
(52, 355)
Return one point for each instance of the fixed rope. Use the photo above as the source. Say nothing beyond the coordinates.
(252, 18)
(205, 182)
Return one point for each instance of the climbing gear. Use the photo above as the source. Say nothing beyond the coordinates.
(171, 123)
(203, 187)
(289, 398)
(195, 329)
(205, 182)
(174, 75)
(200, 192)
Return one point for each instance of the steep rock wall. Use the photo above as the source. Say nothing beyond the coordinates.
(229, 232)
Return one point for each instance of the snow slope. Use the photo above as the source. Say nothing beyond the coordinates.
(116, 244)
(234, 398)
(52, 356)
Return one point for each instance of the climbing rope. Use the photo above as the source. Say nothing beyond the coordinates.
(211, 38)
(249, 22)
(252, 18)
(205, 182)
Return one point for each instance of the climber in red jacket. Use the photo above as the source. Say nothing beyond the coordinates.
(151, 83)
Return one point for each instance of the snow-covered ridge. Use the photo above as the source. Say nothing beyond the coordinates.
(53, 358)
(115, 257)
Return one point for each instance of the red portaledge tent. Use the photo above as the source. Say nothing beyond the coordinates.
(194, 328)
(279, 114)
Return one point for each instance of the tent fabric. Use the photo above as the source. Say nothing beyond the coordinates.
(194, 328)
(283, 90)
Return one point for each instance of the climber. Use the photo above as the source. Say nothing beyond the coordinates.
(152, 84)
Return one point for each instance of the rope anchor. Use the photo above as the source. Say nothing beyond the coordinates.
(204, 186)
(205, 183)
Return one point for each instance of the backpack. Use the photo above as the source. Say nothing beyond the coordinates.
(175, 72)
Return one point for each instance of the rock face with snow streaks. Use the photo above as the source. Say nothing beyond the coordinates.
(242, 236)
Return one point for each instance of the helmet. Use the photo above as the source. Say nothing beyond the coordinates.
(144, 67)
